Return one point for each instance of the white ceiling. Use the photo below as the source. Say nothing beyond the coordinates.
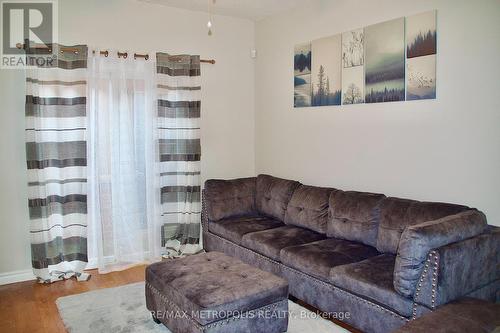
(250, 9)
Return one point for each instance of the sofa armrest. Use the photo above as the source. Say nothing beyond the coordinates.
(229, 198)
(417, 241)
(460, 268)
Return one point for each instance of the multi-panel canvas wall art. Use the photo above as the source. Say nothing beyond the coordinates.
(385, 62)
(326, 71)
(302, 76)
(353, 60)
(421, 56)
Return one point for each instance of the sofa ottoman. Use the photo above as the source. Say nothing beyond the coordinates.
(216, 293)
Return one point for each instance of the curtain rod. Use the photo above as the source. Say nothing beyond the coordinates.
(104, 53)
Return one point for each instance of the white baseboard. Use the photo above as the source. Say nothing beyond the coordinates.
(16, 276)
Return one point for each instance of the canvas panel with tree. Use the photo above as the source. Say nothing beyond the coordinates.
(352, 67)
(326, 71)
(421, 34)
(421, 56)
(385, 62)
(353, 85)
(302, 76)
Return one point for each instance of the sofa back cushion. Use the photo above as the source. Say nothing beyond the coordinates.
(229, 198)
(354, 216)
(418, 240)
(308, 208)
(396, 214)
(273, 195)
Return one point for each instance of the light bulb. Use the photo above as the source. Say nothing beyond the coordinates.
(209, 24)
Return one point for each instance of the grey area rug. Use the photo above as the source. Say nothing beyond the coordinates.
(123, 309)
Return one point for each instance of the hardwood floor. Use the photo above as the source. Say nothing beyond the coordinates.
(30, 306)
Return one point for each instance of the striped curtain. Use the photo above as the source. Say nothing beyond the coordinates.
(179, 95)
(56, 159)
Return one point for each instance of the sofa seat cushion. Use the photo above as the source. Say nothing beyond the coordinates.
(234, 229)
(372, 279)
(273, 194)
(270, 242)
(229, 198)
(212, 283)
(308, 208)
(318, 258)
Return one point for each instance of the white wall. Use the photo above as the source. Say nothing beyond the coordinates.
(227, 95)
(447, 149)
(14, 229)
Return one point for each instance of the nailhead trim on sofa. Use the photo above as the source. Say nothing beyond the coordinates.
(432, 256)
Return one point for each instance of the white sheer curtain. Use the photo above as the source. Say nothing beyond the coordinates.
(124, 192)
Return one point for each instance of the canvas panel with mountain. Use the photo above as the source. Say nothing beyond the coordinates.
(326, 71)
(385, 62)
(302, 76)
(352, 67)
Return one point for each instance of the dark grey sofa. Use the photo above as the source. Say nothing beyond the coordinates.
(382, 260)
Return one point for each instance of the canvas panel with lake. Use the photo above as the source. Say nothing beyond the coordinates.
(385, 62)
(326, 71)
(302, 76)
